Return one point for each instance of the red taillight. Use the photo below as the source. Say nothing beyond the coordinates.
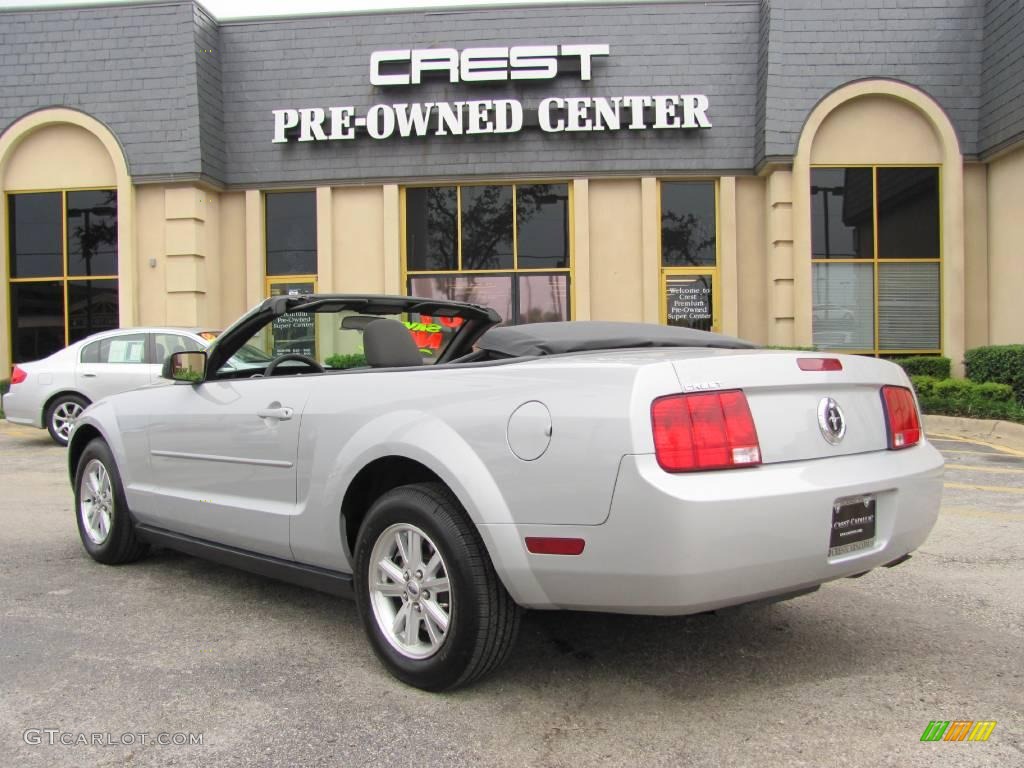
(706, 430)
(18, 375)
(819, 364)
(551, 545)
(901, 417)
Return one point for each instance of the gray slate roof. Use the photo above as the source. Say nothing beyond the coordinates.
(190, 97)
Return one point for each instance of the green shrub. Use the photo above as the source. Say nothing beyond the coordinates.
(925, 365)
(1002, 364)
(961, 397)
(994, 391)
(955, 389)
(924, 385)
(346, 361)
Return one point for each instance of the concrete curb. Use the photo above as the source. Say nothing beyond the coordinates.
(998, 432)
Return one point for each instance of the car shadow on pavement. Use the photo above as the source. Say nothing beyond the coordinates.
(682, 656)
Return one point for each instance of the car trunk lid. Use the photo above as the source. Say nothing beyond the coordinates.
(801, 414)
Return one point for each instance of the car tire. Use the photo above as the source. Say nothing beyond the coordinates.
(105, 524)
(447, 638)
(61, 414)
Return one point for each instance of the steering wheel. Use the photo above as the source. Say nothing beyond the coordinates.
(272, 365)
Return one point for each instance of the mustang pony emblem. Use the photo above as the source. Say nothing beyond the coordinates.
(831, 420)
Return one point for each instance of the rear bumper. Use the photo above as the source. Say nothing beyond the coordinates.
(20, 409)
(678, 544)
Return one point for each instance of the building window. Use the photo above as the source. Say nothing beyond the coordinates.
(876, 257)
(291, 242)
(505, 246)
(62, 248)
(689, 254)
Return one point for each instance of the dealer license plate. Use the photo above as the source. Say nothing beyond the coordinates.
(853, 525)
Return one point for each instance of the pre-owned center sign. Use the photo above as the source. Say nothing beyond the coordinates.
(555, 114)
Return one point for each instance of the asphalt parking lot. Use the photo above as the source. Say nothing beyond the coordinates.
(269, 674)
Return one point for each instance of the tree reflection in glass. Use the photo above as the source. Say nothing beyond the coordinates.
(487, 227)
(688, 224)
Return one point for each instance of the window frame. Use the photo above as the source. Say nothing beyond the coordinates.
(147, 341)
(876, 260)
(664, 273)
(515, 271)
(64, 278)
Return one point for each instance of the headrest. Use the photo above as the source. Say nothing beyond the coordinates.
(388, 344)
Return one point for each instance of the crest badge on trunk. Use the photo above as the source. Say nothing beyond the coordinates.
(831, 420)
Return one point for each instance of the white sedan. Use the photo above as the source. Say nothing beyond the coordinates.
(52, 392)
(448, 473)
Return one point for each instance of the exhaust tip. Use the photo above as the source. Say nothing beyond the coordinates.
(898, 561)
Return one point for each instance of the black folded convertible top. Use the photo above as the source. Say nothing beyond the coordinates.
(590, 335)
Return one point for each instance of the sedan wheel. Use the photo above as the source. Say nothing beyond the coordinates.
(434, 609)
(62, 415)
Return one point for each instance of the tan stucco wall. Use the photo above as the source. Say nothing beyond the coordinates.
(580, 288)
(875, 129)
(728, 277)
(358, 242)
(59, 157)
(1006, 248)
(231, 257)
(780, 262)
(149, 213)
(751, 268)
(616, 275)
(975, 255)
(209, 200)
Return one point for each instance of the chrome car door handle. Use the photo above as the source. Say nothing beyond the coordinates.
(281, 414)
(89, 375)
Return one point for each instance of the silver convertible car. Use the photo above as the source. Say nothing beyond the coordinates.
(449, 473)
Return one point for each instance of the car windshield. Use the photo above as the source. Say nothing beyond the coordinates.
(334, 339)
(250, 355)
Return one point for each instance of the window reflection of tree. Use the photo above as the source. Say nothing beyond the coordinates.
(95, 237)
(486, 221)
(98, 228)
(684, 240)
(532, 200)
(487, 227)
(548, 308)
(442, 228)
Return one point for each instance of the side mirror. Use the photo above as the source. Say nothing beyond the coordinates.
(185, 367)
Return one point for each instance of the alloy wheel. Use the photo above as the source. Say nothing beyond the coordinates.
(64, 417)
(410, 591)
(96, 501)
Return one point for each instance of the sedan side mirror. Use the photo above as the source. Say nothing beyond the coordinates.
(185, 367)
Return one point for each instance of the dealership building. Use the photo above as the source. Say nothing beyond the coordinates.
(844, 173)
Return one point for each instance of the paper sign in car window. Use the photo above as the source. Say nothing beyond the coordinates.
(126, 351)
